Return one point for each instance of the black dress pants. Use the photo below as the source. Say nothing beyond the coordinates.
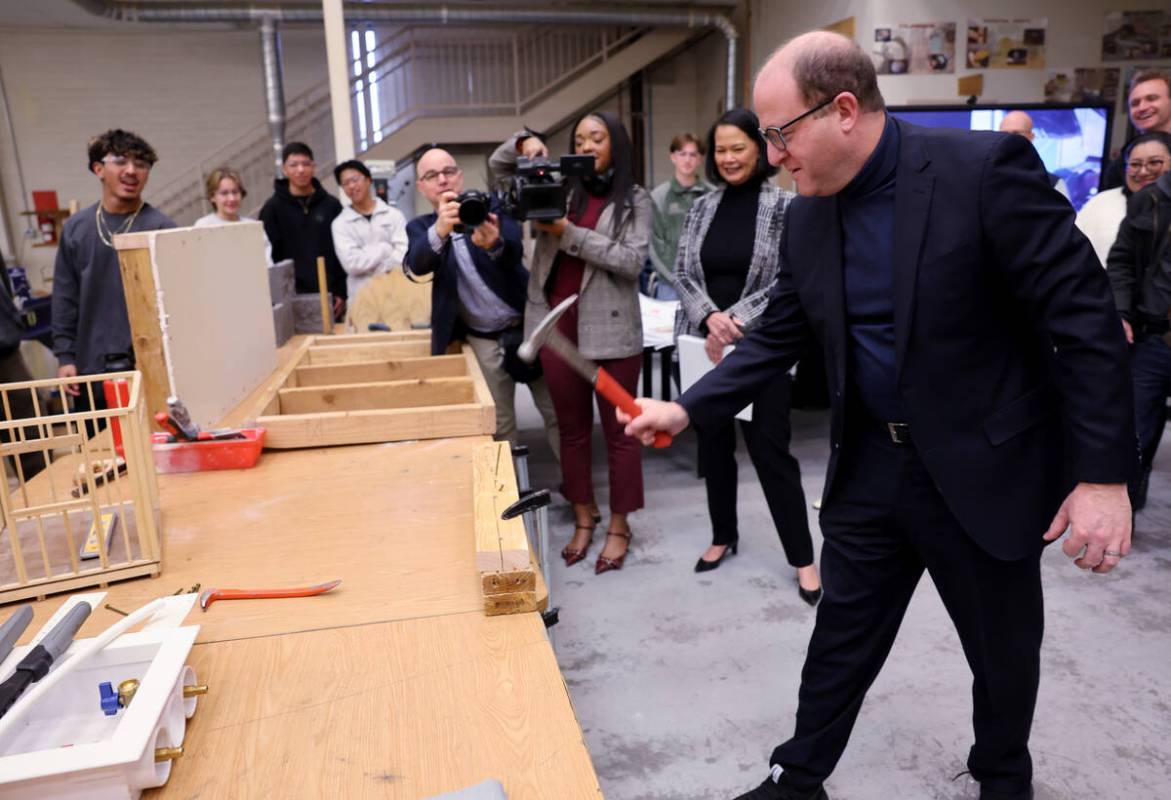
(883, 524)
(767, 436)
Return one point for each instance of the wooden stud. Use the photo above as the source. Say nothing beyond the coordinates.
(142, 307)
(384, 370)
(371, 396)
(323, 293)
(501, 545)
(367, 352)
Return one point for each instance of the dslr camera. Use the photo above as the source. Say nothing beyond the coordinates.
(473, 209)
(537, 190)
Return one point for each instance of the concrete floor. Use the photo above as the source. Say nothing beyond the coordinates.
(684, 683)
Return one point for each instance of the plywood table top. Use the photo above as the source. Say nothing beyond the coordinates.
(402, 710)
(392, 521)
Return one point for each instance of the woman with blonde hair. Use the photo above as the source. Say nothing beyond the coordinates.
(225, 192)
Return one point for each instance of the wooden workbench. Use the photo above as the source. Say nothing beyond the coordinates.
(394, 685)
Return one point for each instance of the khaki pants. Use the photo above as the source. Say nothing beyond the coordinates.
(490, 356)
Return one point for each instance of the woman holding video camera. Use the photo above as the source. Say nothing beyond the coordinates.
(596, 251)
(727, 261)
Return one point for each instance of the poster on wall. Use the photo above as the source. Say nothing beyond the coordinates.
(924, 48)
(1083, 85)
(1132, 35)
(1006, 43)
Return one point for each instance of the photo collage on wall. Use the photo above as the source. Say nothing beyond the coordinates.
(927, 48)
(1006, 43)
(1136, 35)
(1083, 85)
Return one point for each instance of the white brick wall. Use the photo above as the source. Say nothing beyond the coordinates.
(186, 92)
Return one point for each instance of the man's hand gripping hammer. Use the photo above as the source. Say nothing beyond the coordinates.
(547, 335)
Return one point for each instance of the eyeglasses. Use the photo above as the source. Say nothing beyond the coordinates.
(431, 175)
(1151, 165)
(120, 162)
(353, 180)
(774, 134)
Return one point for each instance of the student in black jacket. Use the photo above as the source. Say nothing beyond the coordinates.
(297, 221)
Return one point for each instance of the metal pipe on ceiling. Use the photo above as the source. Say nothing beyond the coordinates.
(430, 15)
(274, 85)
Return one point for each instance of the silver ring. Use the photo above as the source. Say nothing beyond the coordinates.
(1113, 553)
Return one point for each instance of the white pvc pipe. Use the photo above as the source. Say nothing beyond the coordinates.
(75, 659)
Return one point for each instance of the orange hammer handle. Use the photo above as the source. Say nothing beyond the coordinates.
(612, 390)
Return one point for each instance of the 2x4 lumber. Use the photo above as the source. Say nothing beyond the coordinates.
(138, 284)
(381, 370)
(370, 427)
(351, 339)
(325, 354)
(501, 545)
(371, 396)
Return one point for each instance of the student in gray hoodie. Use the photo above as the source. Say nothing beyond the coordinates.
(91, 330)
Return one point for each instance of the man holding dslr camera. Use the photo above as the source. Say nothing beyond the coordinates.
(478, 289)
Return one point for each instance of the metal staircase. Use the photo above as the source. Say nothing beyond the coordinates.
(448, 76)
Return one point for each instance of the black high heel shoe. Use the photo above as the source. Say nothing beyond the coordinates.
(810, 596)
(707, 566)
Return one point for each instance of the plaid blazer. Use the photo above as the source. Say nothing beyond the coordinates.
(694, 303)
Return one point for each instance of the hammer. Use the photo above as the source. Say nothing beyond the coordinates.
(546, 334)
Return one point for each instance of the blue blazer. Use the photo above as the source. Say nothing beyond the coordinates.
(505, 274)
(1012, 365)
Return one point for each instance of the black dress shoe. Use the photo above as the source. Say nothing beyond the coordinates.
(771, 790)
(810, 596)
(992, 794)
(708, 566)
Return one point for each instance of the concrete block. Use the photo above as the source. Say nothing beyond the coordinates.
(282, 322)
(306, 313)
(280, 281)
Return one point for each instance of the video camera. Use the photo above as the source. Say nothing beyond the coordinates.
(537, 191)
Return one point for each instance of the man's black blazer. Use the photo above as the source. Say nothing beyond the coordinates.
(1012, 365)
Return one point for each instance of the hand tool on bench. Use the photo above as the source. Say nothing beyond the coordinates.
(35, 665)
(209, 596)
(547, 335)
(12, 628)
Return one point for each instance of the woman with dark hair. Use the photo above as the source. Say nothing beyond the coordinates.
(728, 260)
(597, 252)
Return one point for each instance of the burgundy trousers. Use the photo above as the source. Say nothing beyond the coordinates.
(573, 400)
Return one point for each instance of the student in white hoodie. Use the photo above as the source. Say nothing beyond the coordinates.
(369, 236)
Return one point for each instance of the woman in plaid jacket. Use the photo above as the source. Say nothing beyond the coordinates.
(727, 261)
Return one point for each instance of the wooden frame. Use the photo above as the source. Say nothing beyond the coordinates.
(200, 315)
(368, 388)
(509, 578)
(91, 475)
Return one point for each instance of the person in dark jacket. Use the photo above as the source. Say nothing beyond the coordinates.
(91, 328)
(1138, 267)
(478, 289)
(13, 370)
(297, 221)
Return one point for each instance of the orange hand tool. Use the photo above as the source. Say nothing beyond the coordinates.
(209, 596)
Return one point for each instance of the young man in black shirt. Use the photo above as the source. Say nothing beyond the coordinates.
(297, 221)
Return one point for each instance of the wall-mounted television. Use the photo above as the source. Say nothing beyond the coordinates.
(1072, 138)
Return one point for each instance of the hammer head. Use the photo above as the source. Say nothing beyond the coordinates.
(531, 346)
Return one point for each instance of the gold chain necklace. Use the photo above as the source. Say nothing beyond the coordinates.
(107, 236)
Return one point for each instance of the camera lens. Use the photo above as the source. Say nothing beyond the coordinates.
(473, 208)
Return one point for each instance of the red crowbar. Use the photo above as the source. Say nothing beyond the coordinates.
(209, 596)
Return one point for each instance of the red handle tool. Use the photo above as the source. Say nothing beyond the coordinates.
(612, 390)
(209, 596)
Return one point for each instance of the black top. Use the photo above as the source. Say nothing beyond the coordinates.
(726, 253)
(299, 228)
(868, 219)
